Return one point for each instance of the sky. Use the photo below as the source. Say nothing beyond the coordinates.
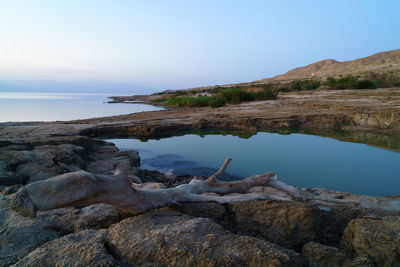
(182, 44)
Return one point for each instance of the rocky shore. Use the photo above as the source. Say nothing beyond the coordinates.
(347, 230)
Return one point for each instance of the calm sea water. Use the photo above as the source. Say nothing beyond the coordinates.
(18, 106)
(298, 159)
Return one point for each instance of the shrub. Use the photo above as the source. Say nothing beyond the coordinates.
(215, 101)
(295, 86)
(365, 84)
(284, 89)
(190, 101)
(350, 82)
(235, 95)
(161, 99)
(265, 94)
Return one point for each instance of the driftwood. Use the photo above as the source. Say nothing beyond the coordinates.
(82, 188)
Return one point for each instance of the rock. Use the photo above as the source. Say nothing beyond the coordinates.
(85, 248)
(151, 176)
(11, 189)
(165, 238)
(212, 210)
(374, 238)
(8, 177)
(98, 216)
(321, 255)
(49, 159)
(288, 224)
(170, 175)
(108, 158)
(21, 203)
(333, 220)
(133, 157)
(20, 235)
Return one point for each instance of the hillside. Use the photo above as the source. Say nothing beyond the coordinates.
(380, 63)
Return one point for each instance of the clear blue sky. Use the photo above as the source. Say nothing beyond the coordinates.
(178, 44)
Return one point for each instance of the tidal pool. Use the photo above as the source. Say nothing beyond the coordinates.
(298, 159)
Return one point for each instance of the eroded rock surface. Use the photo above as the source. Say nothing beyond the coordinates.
(20, 235)
(30, 162)
(85, 248)
(285, 223)
(165, 238)
(374, 238)
(210, 234)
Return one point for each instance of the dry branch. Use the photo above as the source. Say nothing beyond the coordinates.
(83, 188)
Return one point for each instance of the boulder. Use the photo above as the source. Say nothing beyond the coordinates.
(167, 238)
(374, 238)
(97, 216)
(85, 248)
(288, 224)
(20, 235)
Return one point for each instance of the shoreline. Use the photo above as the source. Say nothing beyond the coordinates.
(293, 231)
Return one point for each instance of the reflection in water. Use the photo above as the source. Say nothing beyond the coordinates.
(298, 159)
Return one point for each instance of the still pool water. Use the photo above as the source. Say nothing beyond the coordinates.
(298, 159)
(26, 106)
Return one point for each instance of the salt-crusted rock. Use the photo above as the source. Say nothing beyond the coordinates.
(374, 238)
(289, 224)
(165, 238)
(85, 248)
(20, 235)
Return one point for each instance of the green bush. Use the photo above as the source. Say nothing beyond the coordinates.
(285, 89)
(191, 101)
(265, 94)
(305, 85)
(215, 101)
(161, 99)
(232, 95)
(235, 95)
(188, 101)
(350, 82)
(365, 84)
(397, 84)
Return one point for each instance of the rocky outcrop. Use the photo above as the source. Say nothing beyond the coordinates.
(85, 248)
(288, 224)
(20, 235)
(30, 162)
(377, 239)
(164, 238)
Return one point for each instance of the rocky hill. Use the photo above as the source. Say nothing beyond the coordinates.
(385, 62)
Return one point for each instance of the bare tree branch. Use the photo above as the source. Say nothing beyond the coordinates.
(83, 188)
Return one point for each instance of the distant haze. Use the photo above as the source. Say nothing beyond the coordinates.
(180, 44)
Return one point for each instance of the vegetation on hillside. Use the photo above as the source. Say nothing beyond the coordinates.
(350, 82)
(218, 96)
(221, 96)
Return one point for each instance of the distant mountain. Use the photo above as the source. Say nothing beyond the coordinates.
(378, 63)
(93, 87)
